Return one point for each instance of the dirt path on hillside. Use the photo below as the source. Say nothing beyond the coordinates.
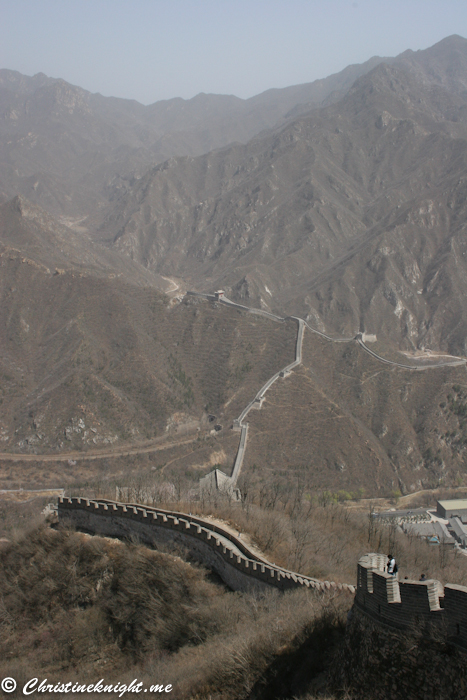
(121, 451)
(126, 451)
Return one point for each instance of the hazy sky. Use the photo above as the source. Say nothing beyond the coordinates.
(150, 50)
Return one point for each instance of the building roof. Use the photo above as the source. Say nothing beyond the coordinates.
(460, 503)
(433, 529)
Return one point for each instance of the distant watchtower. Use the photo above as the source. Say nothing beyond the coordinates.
(219, 294)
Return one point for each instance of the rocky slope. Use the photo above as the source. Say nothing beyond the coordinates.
(352, 215)
(92, 352)
(345, 421)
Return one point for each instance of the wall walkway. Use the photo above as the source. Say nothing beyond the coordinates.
(217, 549)
(239, 423)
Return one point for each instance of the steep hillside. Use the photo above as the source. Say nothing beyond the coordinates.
(351, 216)
(344, 420)
(78, 609)
(94, 356)
(93, 353)
(29, 230)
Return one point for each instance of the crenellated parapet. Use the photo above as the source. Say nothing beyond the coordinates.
(214, 547)
(404, 604)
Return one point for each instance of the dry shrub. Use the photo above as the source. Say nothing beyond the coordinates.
(256, 658)
(18, 517)
(68, 596)
(76, 607)
(325, 540)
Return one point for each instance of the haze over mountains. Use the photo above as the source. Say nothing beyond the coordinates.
(345, 215)
(71, 151)
(342, 201)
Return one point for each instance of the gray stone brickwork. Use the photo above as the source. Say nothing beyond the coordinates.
(404, 604)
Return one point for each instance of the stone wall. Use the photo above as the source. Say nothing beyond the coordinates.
(404, 604)
(377, 662)
(405, 640)
(231, 559)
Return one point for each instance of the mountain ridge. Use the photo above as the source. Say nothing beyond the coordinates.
(295, 201)
(351, 215)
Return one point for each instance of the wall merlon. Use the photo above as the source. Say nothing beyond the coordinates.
(433, 594)
(392, 589)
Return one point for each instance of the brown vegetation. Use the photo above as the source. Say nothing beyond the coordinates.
(81, 608)
(78, 378)
(376, 663)
(17, 517)
(343, 420)
(325, 539)
(75, 605)
(317, 533)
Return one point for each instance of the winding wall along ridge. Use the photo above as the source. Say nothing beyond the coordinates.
(301, 323)
(237, 565)
(130, 450)
(380, 596)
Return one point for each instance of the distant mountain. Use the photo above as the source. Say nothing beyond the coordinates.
(71, 151)
(346, 203)
(93, 355)
(352, 215)
(28, 230)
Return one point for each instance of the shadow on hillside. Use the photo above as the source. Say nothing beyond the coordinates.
(301, 669)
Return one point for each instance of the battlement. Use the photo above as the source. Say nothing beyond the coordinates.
(403, 604)
(210, 544)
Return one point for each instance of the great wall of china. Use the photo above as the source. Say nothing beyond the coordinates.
(404, 604)
(217, 480)
(379, 596)
(217, 549)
